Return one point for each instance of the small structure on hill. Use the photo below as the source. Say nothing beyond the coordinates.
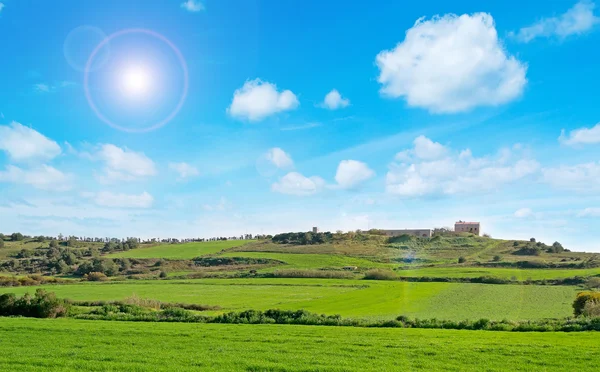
(470, 227)
(315, 230)
(422, 233)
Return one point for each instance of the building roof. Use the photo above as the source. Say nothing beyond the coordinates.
(465, 223)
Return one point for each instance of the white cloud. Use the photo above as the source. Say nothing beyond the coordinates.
(279, 158)
(119, 200)
(523, 213)
(185, 170)
(1, 6)
(580, 177)
(576, 21)
(589, 212)
(334, 100)
(124, 164)
(25, 144)
(222, 205)
(295, 183)
(450, 64)
(257, 100)
(193, 6)
(581, 136)
(47, 88)
(43, 177)
(449, 173)
(350, 173)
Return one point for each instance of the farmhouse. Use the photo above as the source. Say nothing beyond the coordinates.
(423, 233)
(471, 227)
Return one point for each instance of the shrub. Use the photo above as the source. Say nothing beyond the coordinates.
(380, 274)
(41, 305)
(497, 258)
(583, 298)
(95, 277)
(593, 283)
(162, 275)
(462, 259)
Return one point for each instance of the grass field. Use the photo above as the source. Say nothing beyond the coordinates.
(505, 273)
(310, 261)
(349, 298)
(73, 345)
(180, 251)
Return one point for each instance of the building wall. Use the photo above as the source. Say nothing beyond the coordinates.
(471, 227)
(422, 233)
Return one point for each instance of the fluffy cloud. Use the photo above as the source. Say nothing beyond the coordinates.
(119, 200)
(25, 144)
(295, 183)
(577, 20)
(449, 173)
(279, 158)
(351, 173)
(124, 164)
(1, 7)
(46, 88)
(334, 100)
(451, 64)
(580, 177)
(581, 136)
(185, 170)
(43, 177)
(193, 6)
(589, 212)
(523, 213)
(257, 100)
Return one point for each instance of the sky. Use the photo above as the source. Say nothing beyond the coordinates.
(192, 118)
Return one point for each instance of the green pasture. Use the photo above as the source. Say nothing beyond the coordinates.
(180, 251)
(76, 345)
(349, 298)
(504, 273)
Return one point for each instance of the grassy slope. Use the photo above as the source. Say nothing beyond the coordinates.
(180, 251)
(351, 298)
(71, 345)
(310, 261)
(12, 248)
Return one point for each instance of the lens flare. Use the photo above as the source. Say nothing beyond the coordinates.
(135, 81)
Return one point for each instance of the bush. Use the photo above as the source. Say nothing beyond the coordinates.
(583, 298)
(162, 275)
(380, 274)
(462, 259)
(41, 305)
(95, 277)
(593, 283)
(497, 258)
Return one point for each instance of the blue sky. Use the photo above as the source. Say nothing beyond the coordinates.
(342, 115)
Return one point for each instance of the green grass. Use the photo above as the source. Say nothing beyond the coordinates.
(12, 248)
(349, 298)
(505, 273)
(180, 251)
(75, 345)
(310, 261)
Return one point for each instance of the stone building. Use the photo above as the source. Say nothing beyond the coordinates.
(470, 227)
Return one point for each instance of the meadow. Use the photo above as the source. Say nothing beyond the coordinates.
(349, 298)
(73, 345)
(180, 251)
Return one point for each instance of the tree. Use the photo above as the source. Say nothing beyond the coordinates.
(53, 243)
(16, 237)
(1, 243)
(497, 258)
(462, 259)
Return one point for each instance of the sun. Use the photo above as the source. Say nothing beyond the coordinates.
(136, 82)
